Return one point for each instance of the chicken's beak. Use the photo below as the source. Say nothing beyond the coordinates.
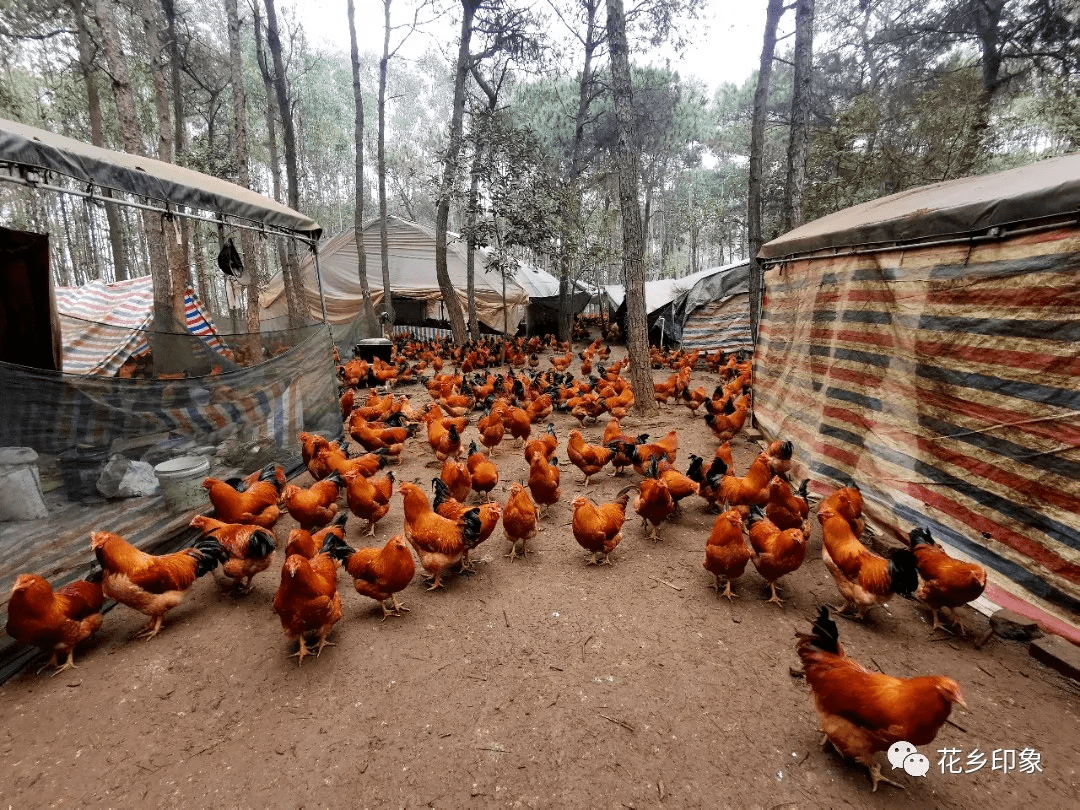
(960, 702)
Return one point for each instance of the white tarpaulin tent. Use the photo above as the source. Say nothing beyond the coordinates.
(412, 276)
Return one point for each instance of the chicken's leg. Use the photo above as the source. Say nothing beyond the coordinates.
(302, 652)
(150, 630)
(731, 595)
(69, 664)
(398, 607)
(776, 600)
(876, 777)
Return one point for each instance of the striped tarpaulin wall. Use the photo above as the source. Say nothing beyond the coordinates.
(945, 382)
(721, 324)
(104, 324)
(198, 322)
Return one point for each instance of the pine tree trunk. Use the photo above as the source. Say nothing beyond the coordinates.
(757, 142)
(243, 170)
(164, 317)
(179, 256)
(97, 134)
(799, 141)
(573, 219)
(170, 230)
(626, 159)
(453, 151)
(358, 216)
(384, 247)
(271, 125)
(470, 257)
(294, 288)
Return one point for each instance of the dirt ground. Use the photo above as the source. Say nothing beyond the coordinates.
(538, 683)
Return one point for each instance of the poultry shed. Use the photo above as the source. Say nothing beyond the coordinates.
(923, 346)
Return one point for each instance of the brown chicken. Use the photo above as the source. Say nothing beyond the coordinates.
(372, 436)
(946, 582)
(693, 399)
(258, 504)
(149, 583)
(562, 363)
(54, 621)
(438, 542)
(780, 454)
(378, 573)
(315, 506)
(483, 473)
(251, 548)
(455, 474)
(848, 503)
(598, 527)
(727, 425)
(786, 509)
(750, 490)
(665, 448)
(519, 520)
(307, 600)
(679, 485)
(726, 553)
(544, 481)
(654, 504)
(589, 458)
(546, 444)
(491, 430)
(708, 480)
(369, 499)
(865, 579)
(517, 423)
(449, 507)
(776, 552)
(864, 712)
(307, 545)
(445, 442)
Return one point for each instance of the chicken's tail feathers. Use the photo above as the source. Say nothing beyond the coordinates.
(756, 514)
(825, 635)
(261, 544)
(208, 554)
(336, 548)
(804, 493)
(904, 572)
(96, 575)
(920, 536)
(471, 527)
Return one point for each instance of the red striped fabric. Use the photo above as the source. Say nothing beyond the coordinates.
(945, 382)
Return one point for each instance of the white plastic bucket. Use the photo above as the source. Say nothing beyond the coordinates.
(20, 487)
(181, 482)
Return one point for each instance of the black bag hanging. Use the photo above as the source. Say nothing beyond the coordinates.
(228, 259)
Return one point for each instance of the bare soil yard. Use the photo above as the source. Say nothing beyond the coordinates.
(539, 683)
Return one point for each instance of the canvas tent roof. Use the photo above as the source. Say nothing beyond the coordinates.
(165, 183)
(675, 298)
(104, 324)
(412, 275)
(952, 208)
(543, 288)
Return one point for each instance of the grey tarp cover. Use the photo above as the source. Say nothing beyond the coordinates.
(673, 299)
(969, 205)
(23, 145)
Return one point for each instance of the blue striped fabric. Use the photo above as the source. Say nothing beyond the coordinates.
(945, 382)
